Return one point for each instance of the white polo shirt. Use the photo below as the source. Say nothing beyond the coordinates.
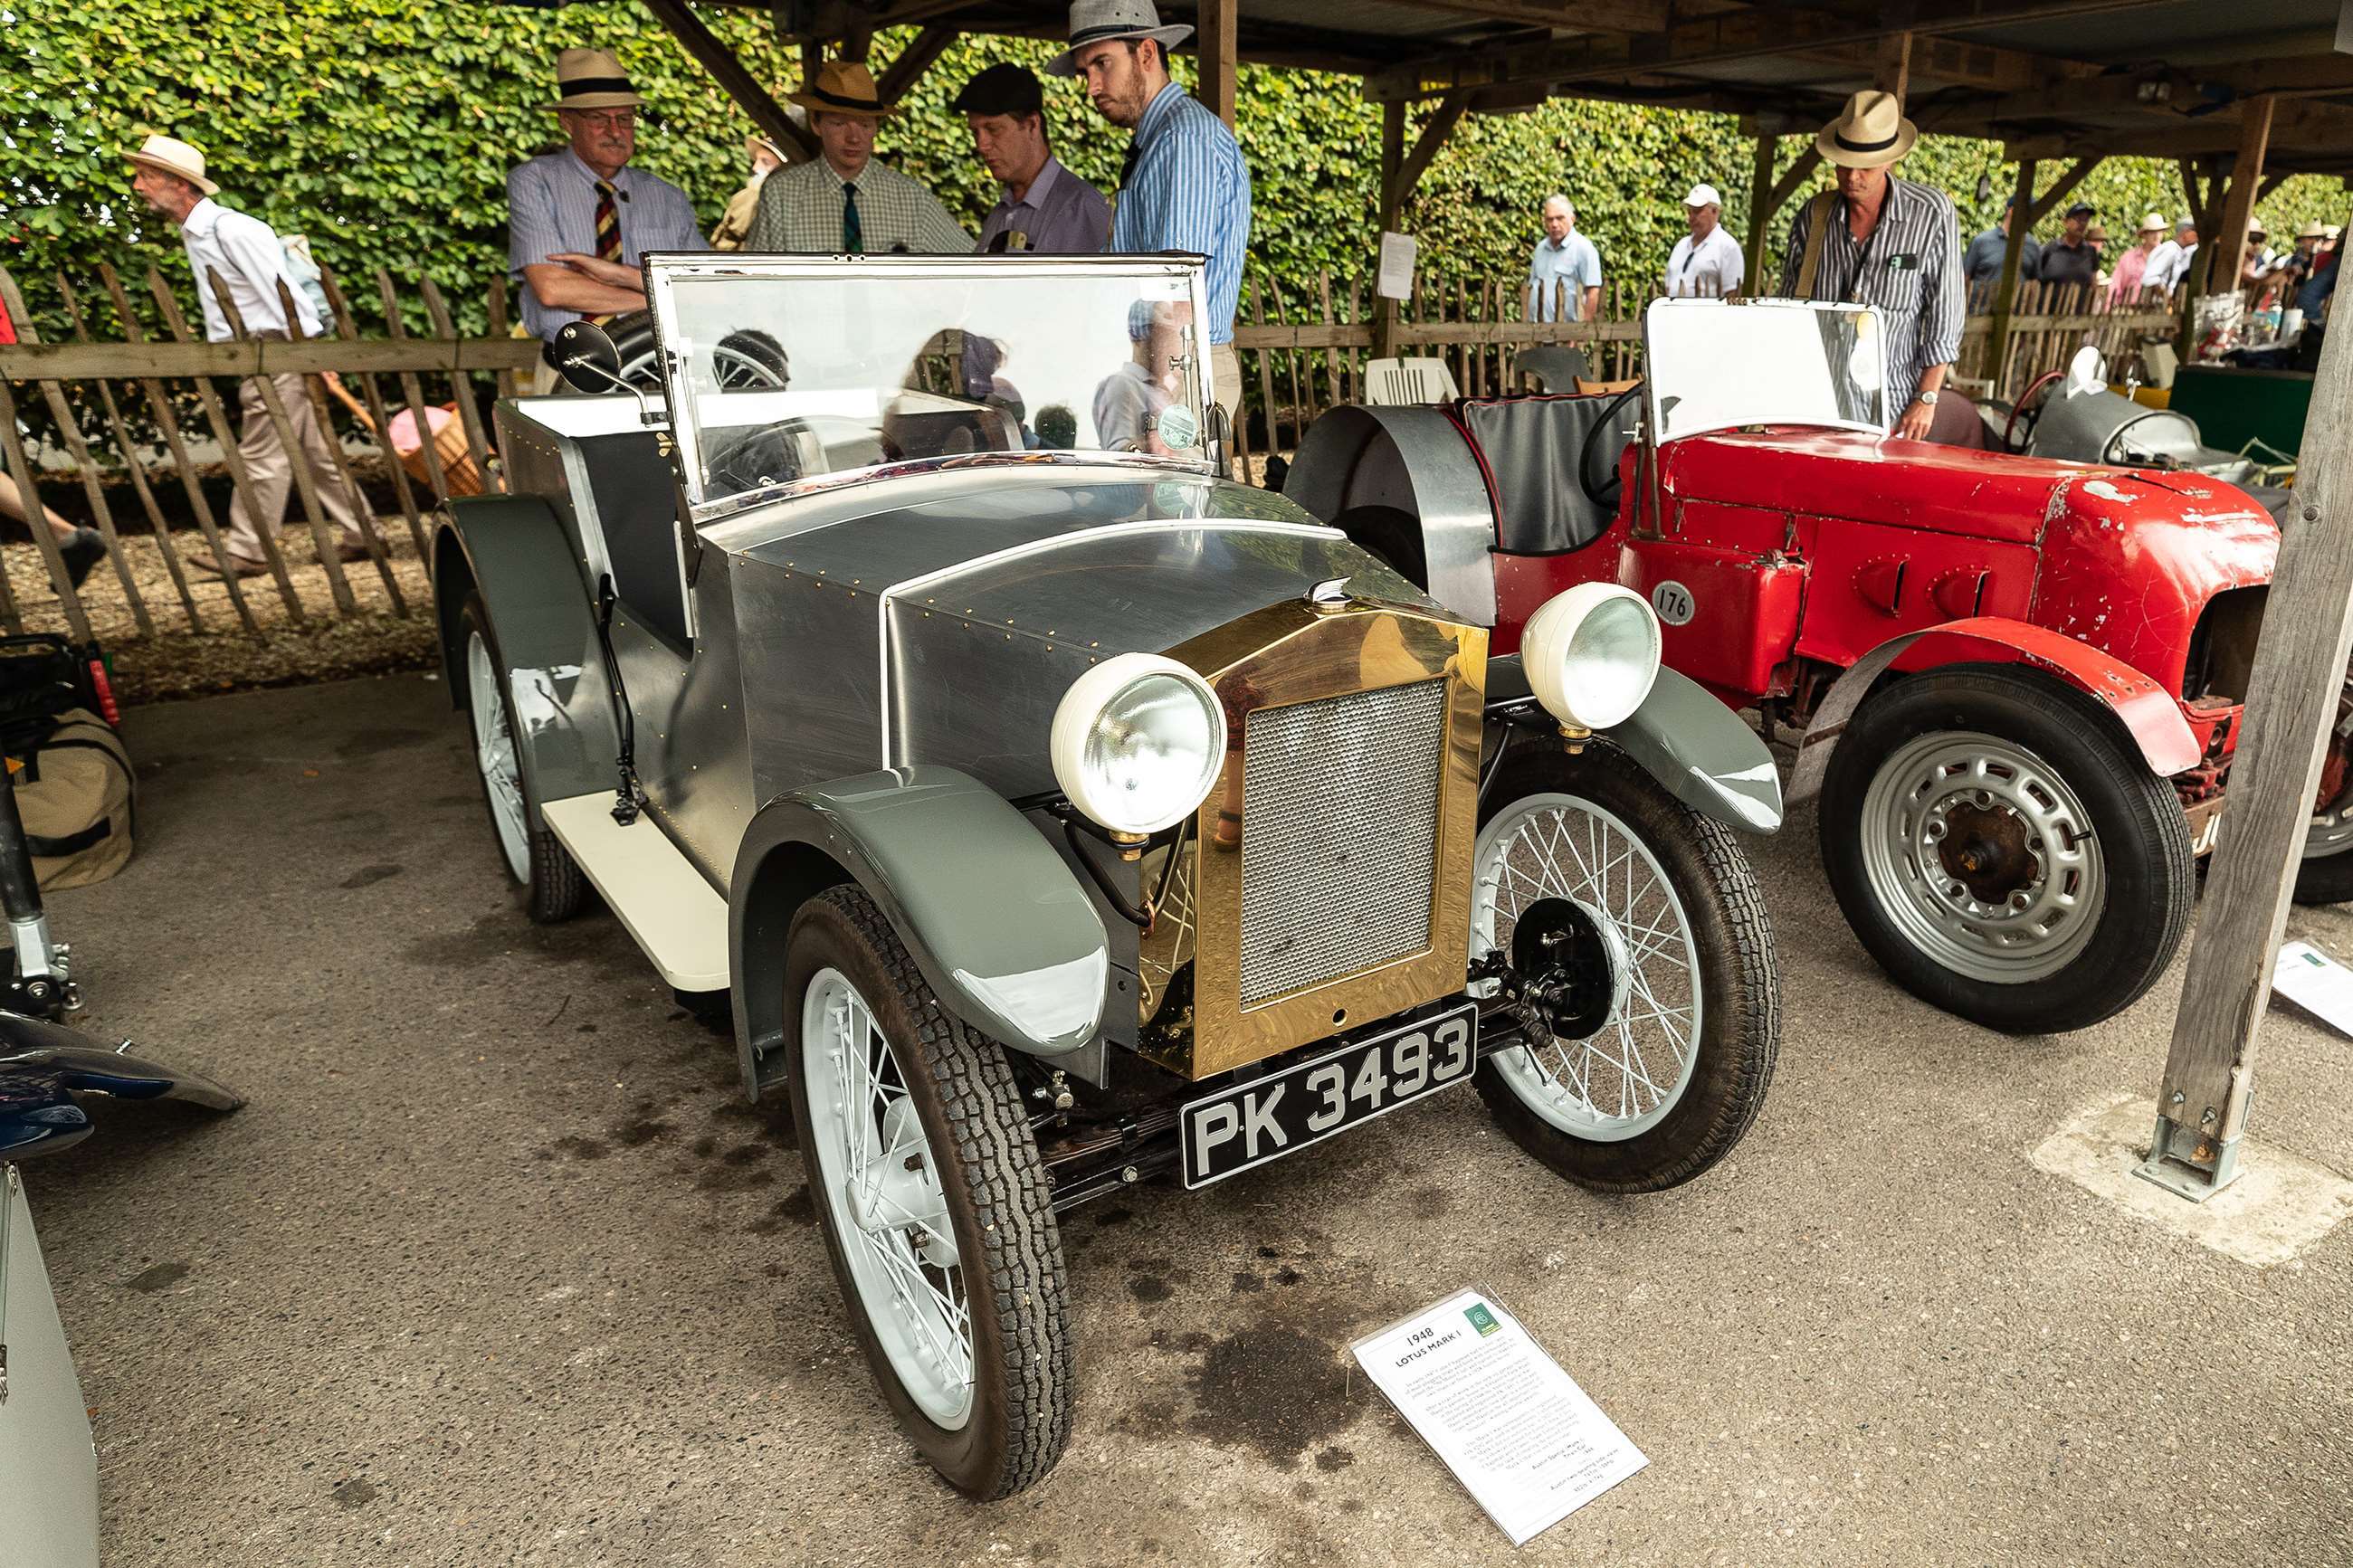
(244, 251)
(1710, 269)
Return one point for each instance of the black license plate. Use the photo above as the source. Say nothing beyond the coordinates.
(1270, 1117)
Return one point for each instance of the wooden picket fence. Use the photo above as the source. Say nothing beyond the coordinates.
(160, 371)
(1302, 351)
(1300, 356)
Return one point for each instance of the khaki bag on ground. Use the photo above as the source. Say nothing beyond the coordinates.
(77, 794)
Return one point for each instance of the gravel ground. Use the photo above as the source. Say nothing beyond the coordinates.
(223, 657)
(497, 1269)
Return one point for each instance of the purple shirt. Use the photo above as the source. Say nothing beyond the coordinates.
(1059, 212)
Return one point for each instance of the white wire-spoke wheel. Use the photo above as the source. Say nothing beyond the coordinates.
(553, 888)
(1636, 932)
(934, 1202)
(2000, 846)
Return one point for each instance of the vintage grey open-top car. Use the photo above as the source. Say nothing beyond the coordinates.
(1058, 813)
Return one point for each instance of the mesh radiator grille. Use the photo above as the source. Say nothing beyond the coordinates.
(1339, 835)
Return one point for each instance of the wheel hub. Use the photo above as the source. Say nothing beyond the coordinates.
(1574, 962)
(1984, 849)
(901, 1190)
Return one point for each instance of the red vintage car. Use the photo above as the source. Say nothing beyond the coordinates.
(2016, 683)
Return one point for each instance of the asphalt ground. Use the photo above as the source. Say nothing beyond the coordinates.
(496, 1268)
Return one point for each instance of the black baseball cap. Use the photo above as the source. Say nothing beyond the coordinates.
(1002, 89)
(2082, 209)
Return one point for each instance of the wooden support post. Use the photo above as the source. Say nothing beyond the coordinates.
(232, 453)
(2292, 694)
(1893, 72)
(1217, 43)
(2226, 250)
(77, 450)
(159, 408)
(728, 72)
(2005, 293)
(322, 536)
(1760, 209)
(923, 52)
(128, 452)
(1385, 310)
(507, 386)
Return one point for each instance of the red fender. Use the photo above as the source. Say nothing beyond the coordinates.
(2149, 713)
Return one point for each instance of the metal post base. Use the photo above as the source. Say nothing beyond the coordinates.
(2188, 1165)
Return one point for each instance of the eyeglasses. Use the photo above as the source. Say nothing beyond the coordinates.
(608, 119)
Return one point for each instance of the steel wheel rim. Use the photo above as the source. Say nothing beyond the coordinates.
(495, 754)
(890, 1216)
(2331, 832)
(1624, 1078)
(2046, 922)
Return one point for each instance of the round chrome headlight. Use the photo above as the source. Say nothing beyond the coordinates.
(1590, 653)
(1137, 742)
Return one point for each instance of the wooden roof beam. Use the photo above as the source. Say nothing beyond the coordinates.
(730, 73)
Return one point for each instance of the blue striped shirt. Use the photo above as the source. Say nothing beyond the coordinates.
(552, 207)
(1189, 191)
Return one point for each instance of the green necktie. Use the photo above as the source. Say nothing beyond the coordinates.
(853, 233)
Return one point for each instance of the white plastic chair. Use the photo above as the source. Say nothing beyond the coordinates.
(1392, 382)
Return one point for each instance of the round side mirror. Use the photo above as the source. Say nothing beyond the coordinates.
(586, 357)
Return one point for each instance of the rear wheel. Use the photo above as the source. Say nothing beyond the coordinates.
(933, 1202)
(553, 888)
(2002, 849)
(2325, 876)
(1635, 926)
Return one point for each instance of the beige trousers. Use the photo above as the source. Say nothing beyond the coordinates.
(270, 469)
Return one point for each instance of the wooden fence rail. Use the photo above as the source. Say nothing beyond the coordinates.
(1303, 350)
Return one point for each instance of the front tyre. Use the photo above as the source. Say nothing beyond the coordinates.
(2002, 849)
(933, 1202)
(553, 885)
(1635, 926)
(2325, 875)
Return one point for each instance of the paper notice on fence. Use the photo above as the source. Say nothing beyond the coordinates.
(1395, 280)
(2316, 982)
(1515, 1430)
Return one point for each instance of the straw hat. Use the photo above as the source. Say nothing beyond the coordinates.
(1870, 135)
(2311, 231)
(2152, 223)
(1108, 21)
(844, 87)
(175, 157)
(591, 78)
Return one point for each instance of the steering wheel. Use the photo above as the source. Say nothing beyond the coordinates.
(1603, 493)
(2029, 403)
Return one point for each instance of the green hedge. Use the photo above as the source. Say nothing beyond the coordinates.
(383, 129)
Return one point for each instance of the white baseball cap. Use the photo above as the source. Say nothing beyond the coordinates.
(1704, 195)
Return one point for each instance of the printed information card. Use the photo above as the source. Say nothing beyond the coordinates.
(1515, 1430)
(2316, 982)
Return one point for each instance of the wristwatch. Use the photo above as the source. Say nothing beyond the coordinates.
(1927, 399)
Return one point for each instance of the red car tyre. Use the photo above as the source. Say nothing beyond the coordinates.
(1999, 846)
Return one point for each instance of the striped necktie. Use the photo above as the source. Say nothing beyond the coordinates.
(853, 233)
(608, 223)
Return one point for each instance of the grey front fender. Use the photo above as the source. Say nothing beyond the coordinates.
(511, 551)
(993, 917)
(1704, 754)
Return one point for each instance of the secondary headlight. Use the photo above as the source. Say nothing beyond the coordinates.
(1137, 742)
(1590, 653)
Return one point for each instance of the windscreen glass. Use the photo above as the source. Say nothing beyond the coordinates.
(795, 370)
(1718, 366)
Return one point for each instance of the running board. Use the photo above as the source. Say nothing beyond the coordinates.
(660, 897)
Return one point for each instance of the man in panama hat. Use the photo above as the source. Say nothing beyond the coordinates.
(245, 254)
(578, 220)
(1895, 245)
(736, 221)
(1183, 185)
(842, 201)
